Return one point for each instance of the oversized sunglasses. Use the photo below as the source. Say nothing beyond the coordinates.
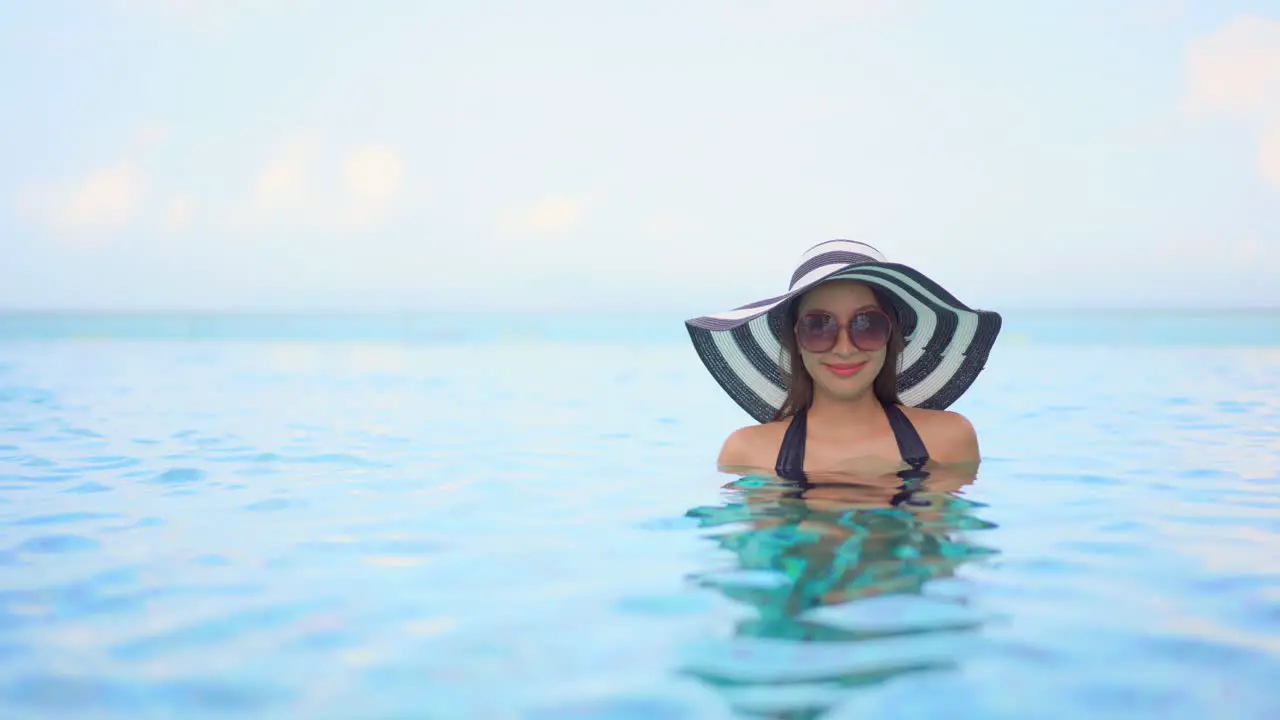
(819, 330)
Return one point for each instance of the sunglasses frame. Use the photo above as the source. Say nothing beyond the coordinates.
(846, 328)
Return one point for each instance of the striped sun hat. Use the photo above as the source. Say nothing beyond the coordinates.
(947, 342)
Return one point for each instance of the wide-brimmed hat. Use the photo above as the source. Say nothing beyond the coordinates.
(947, 342)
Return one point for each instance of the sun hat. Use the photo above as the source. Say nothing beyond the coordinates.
(946, 342)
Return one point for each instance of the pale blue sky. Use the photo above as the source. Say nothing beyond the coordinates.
(645, 155)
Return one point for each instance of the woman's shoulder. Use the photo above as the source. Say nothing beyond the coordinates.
(948, 435)
(754, 447)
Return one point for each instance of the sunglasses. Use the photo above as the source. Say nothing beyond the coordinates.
(819, 330)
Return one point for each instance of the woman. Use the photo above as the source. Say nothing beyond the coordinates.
(850, 371)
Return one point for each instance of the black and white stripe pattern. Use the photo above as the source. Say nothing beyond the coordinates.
(947, 343)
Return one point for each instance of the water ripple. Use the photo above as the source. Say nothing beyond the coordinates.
(58, 544)
(33, 395)
(63, 518)
(89, 487)
(228, 627)
(179, 476)
(71, 694)
(111, 462)
(271, 505)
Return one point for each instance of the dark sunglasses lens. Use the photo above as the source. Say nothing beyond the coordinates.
(817, 332)
(869, 330)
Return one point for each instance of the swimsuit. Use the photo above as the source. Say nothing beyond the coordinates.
(790, 463)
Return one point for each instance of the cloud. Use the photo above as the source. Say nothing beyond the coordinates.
(151, 135)
(306, 184)
(374, 175)
(553, 215)
(1252, 253)
(282, 185)
(1234, 73)
(102, 203)
(107, 201)
(1269, 155)
(177, 215)
(301, 184)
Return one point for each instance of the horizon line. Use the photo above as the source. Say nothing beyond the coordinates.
(358, 311)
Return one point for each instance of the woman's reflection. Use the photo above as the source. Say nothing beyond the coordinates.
(827, 543)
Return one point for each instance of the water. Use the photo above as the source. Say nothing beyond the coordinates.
(495, 518)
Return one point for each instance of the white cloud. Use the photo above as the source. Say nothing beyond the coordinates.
(1269, 155)
(283, 183)
(300, 185)
(278, 193)
(553, 215)
(1236, 70)
(1246, 252)
(151, 135)
(103, 202)
(177, 215)
(1235, 73)
(374, 175)
(305, 184)
(1254, 253)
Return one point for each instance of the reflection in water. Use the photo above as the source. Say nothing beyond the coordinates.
(835, 570)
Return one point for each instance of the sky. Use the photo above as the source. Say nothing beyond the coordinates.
(663, 155)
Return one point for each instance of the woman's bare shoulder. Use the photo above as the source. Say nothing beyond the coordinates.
(754, 447)
(947, 434)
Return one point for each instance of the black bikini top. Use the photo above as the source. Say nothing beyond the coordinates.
(790, 464)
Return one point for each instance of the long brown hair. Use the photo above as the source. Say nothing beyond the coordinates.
(799, 382)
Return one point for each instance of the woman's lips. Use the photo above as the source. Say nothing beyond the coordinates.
(845, 370)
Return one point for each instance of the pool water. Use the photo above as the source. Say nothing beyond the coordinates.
(443, 525)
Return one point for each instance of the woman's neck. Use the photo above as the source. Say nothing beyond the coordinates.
(861, 411)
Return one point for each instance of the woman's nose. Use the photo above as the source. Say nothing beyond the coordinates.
(844, 344)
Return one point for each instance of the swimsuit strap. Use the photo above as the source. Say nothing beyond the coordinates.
(910, 445)
(790, 464)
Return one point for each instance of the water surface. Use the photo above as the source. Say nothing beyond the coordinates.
(460, 522)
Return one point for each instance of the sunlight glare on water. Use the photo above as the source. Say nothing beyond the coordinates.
(532, 527)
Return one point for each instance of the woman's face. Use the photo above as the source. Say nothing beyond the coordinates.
(845, 371)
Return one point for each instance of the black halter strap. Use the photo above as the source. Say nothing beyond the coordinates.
(790, 463)
(910, 445)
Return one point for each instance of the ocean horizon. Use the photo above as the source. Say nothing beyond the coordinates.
(1214, 327)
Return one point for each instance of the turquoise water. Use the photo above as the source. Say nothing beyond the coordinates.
(519, 517)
